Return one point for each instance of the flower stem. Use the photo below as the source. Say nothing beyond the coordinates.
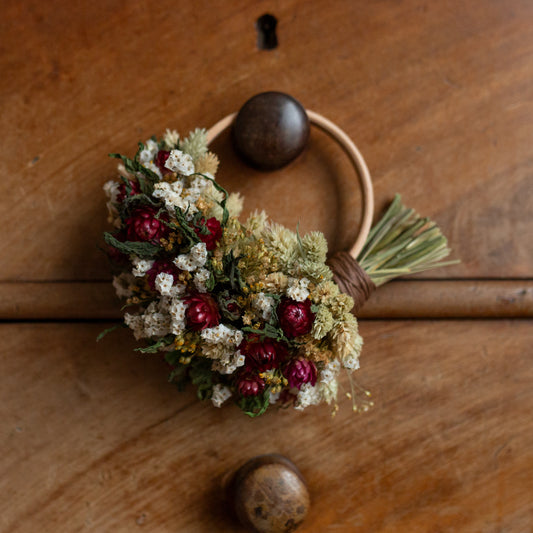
(402, 243)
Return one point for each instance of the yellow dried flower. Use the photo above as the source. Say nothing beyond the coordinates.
(324, 291)
(207, 163)
(323, 323)
(315, 247)
(276, 282)
(247, 318)
(346, 341)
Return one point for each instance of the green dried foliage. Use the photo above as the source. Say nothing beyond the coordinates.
(403, 243)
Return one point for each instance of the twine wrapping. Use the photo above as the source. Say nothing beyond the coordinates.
(351, 278)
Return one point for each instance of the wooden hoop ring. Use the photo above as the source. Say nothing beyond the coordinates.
(352, 152)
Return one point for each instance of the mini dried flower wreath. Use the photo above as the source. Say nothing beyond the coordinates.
(243, 310)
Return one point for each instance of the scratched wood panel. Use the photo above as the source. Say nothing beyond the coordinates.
(93, 439)
(437, 95)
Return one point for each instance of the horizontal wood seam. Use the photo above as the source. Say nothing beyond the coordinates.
(398, 299)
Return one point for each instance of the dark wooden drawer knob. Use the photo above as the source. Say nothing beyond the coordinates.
(269, 494)
(270, 130)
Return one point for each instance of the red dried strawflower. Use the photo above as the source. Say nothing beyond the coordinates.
(123, 193)
(295, 318)
(214, 232)
(160, 160)
(263, 355)
(202, 312)
(250, 385)
(143, 225)
(300, 371)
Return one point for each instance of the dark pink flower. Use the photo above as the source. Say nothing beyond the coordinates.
(263, 355)
(143, 225)
(161, 265)
(214, 229)
(300, 371)
(160, 160)
(250, 385)
(295, 318)
(123, 193)
(202, 312)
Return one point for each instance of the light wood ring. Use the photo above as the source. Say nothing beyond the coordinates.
(352, 152)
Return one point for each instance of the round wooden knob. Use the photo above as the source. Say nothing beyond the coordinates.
(270, 130)
(269, 494)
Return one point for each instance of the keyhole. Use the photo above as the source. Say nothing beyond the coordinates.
(266, 32)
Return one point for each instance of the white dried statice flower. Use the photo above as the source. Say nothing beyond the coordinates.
(220, 394)
(196, 189)
(171, 138)
(229, 362)
(122, 284)
(264, 304)
(297, 289)
(330, 372)
(153, 167)
(141, 266)
(220, 344)
(149, 152)
(201, 277)
(196, 258)
(172, 195)
(222, 334)
(307, 395)
(154, 322)
(180, 162)
(327, 381)
(351, 362)
(136, 324)
(273, 397)
(328, 391)
(177, 311)
(163, 283)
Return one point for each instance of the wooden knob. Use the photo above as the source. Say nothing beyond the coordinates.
(269, 494)
(270, 130)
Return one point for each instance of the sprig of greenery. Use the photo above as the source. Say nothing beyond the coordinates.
(103, 333)
(142, 249)
(154, 348)
(133, 166)
(402, 243)
(201, 376)
(222, 203)
(255, 405)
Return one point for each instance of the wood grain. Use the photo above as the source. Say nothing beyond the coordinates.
(438, 97)
(93, 439)
(398, 299)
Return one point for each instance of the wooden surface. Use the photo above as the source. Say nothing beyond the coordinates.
(94, 440)
(438, 96)
(433, 299)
